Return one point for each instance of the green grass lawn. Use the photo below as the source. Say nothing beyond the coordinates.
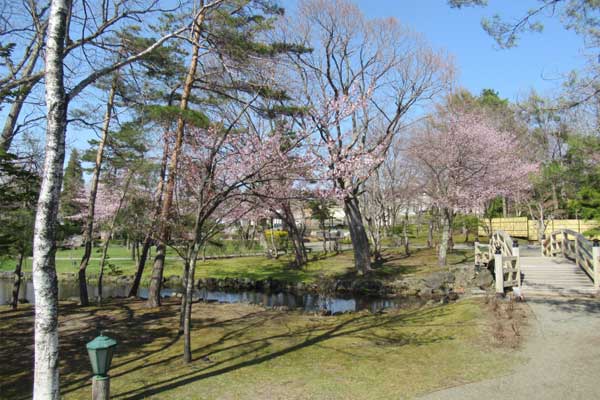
(246, 352)
(320, 266)
(420, 239)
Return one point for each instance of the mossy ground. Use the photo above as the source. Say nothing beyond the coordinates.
(246, 352)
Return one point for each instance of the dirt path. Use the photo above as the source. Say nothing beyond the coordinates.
(563, 353)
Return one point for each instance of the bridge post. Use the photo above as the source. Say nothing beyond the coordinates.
(596, 263)
(577, 261)
(543, 242)
(517, 253)
(499, 271)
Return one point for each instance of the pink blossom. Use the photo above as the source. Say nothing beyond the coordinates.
(465, 160)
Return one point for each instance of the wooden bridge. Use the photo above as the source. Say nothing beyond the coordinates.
(565, 264)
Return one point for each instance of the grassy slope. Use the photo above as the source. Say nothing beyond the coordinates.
(245, 352)
(256, 268)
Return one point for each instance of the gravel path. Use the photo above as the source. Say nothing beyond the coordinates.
(563, 352)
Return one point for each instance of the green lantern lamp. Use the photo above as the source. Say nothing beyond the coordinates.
(100, 351)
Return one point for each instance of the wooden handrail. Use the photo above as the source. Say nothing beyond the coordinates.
(507, 261)
(577, 248)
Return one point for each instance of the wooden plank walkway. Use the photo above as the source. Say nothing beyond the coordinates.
(554, 276)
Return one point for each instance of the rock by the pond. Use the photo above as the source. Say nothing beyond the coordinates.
(484, 279)
(368, 287)
(452, 296)
(435, 284)
(464, 276)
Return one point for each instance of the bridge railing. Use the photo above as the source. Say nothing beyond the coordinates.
(575, 247)
(505, 253)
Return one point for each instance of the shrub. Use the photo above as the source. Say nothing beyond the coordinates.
(280, 238)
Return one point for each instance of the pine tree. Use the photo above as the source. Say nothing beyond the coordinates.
(20, 185)
(73, 185)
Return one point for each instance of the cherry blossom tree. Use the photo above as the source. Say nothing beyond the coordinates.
(358, 86)
(464, 160)
(280, 196)
(105, 209)
(282, 191)
(391, 190)
(110, 200)
(219, 167)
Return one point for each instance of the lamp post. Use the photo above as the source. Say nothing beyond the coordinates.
(100, 351)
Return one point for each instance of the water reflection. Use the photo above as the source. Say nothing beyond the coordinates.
(306, 302)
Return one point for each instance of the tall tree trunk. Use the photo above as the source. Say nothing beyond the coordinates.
(405, 234)
(358, 234)
(504, 207)
(8, 132)
(253, 237)
(451, 233)
(299, 249)
(143, 256)
(182, 305)
(88, 234)
(133, 247)
(17, 280)
(374, 231)
(102, 262)
(275, 252)
(45, 284)
(446, 226)
(189, 271)
(430, 234)
(148, 239)
(187, 306)
(296, 236)
(111, 229)
(159, 260)
(555, 197)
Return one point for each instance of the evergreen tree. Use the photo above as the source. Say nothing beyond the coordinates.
(583, 173)
(20, 185)
(73, 185)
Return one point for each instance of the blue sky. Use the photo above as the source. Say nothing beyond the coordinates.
(537, 62)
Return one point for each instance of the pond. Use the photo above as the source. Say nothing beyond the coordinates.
(69, 290)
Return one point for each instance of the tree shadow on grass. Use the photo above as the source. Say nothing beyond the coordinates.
(77, 326)
(146, 338)
(360, 326)
(141, 333)
(198, 324)
(398, 265)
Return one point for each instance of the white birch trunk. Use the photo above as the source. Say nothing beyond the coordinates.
(46, 379)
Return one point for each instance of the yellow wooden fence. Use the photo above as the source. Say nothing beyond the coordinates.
(521, 227)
